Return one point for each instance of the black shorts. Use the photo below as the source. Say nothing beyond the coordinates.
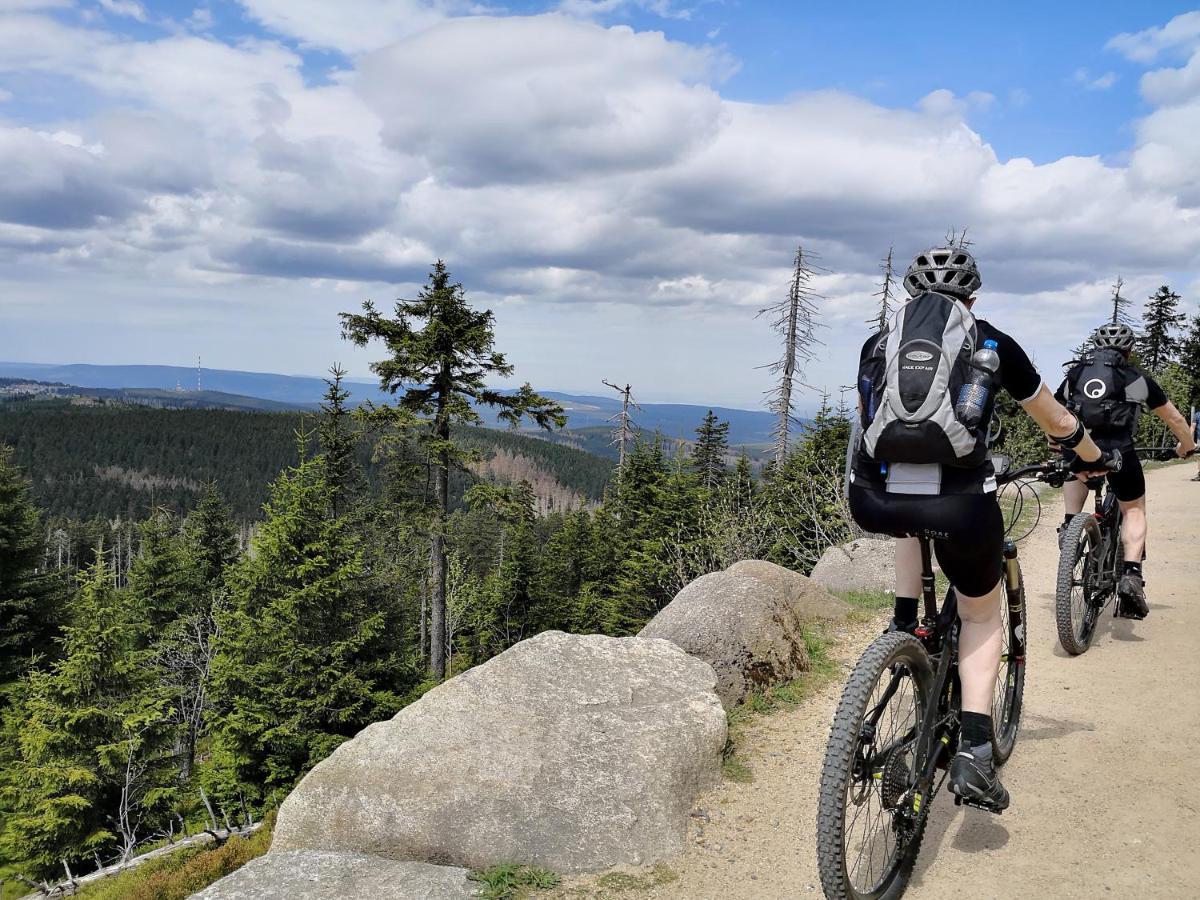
(1128, 484)
(967, 530)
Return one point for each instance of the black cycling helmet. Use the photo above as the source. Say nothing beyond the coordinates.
(1118, 337)
(947, 270)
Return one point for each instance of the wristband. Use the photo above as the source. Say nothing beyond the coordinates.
(1074, 439)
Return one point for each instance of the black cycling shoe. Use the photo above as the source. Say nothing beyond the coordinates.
(1131, 593)
(974, 781)
(906, 627)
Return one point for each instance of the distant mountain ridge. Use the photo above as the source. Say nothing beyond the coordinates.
(674, 420)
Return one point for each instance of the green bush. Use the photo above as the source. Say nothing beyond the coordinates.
(180, 874)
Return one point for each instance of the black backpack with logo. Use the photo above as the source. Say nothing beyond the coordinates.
(1095, 392)
(910, 380)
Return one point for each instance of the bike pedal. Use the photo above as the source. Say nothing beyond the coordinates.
(959, 801)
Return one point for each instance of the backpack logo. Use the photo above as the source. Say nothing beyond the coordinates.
(918, 356)
(1095, 389)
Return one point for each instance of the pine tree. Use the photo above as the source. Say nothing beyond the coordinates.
(708, 454)
(338, 440)
(162, 586)
(90, 765)
(1161, 319)
(1189, 360)
(30, 601)
(211, 538)
(306, 657)
(441, 352)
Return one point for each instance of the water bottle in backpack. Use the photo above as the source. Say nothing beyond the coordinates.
(973, 398)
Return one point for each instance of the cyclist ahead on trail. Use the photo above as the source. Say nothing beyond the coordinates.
(1108, 393)
(923, 468)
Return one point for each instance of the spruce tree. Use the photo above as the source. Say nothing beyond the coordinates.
(211, 538)
(708, 454)
(1189, 360)
(338, 439)
(1161, 319)
(89, 767)
(306, 657)
(441, 352)
(30, 601)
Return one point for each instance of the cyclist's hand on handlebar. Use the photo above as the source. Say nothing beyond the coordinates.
(1109, 461)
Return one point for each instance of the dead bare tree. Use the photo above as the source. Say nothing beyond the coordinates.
(186, 659)
(885, 292)
(623, 432)
(1120, 304)
(795, 319)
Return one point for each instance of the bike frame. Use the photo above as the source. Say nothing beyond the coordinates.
(938, 632)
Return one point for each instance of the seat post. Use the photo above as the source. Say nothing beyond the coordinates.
(928, 590)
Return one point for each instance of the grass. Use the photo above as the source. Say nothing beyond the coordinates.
(511, 881)
(786, 695)
(622, 882)
(179, 875)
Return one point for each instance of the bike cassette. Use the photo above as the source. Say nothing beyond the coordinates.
(895, 778)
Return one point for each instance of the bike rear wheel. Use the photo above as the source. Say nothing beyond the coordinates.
(1009, 692)
(867, 839)
(1076, 607)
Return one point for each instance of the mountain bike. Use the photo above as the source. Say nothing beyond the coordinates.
(897, 725)
(1090, 561)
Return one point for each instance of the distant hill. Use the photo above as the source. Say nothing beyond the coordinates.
(175, 399)
(107, 459)
(674, 420)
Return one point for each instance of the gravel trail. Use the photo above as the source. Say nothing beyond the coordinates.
(1105, 797)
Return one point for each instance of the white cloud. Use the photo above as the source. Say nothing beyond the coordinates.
(567, 171)
(1183, 31)
(352, 26)
(127, 8)
(1100, 83)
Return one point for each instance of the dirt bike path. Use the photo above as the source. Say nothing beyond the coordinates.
(1105, 797)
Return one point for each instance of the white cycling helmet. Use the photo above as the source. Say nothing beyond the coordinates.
(947, 270)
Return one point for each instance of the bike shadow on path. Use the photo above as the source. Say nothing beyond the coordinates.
(978, 831)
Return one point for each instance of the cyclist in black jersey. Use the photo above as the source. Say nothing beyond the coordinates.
(1117, 393)
(958, 508)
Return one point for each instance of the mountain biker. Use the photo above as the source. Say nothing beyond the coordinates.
(1108, 392)
(955, 505)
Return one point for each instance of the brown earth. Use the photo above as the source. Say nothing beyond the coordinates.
(1105, 802)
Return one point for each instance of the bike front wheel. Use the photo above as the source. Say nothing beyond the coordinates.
(1076, 606)
(868, 832)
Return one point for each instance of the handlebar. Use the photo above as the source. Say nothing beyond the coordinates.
(1053, 472)
(1163, 454)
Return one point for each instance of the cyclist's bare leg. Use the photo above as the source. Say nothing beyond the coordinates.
(1133, 528)
(979, 647)
(908, 567)
(1075, 494)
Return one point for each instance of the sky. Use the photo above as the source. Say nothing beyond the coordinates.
(624, 182)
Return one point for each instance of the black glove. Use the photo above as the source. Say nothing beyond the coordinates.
(1110, 461)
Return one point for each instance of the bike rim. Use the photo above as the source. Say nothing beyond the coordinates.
(1083, 613)
(1006, 677)
(872, 829)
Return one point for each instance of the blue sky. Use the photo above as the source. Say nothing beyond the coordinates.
(623, 181)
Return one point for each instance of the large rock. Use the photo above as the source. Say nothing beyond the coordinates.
(572, 752)
(317, 875)
(807, 600)
(747, 623)
(868, 564)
